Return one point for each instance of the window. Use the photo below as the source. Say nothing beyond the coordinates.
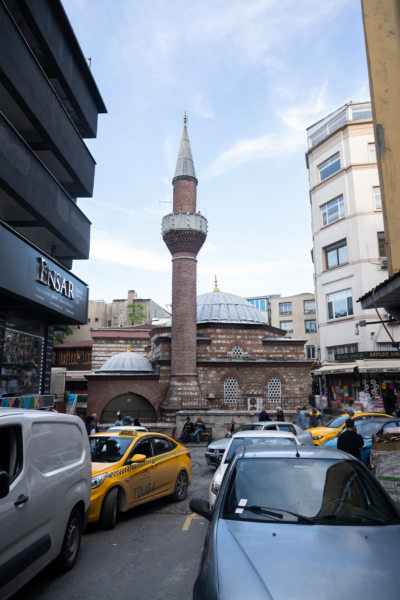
(377, 198)
(329, 167)
(260, 303)
(161, 445)
(310, 326)
(386, 347)
(237, 352)
(96, 320)
(285, 308)
(381, 243)
(332, 211)
(336, 254)
(11, 452)
(372, 152)
(361, 113)
(143, 448)
(274, 389)
(340, 304)
(311, 351)
(286, 326)
(230, 390)
(309, 306)
(345, 349)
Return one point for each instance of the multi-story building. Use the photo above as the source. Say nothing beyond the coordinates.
(349, 253)
(297, 316)
(49, 103)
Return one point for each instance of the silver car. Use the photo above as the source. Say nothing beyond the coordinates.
(216, 449)
(299, 523)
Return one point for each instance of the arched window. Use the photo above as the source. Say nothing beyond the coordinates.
(274, 389)
(230, 390)
(237, 352)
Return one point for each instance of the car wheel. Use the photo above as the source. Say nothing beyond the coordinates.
(109, 511)
(71, 543)
(181, 487)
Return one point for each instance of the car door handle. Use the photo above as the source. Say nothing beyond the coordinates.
(21, 500)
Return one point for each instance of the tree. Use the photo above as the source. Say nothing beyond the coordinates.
(137, 313)
(60, 335)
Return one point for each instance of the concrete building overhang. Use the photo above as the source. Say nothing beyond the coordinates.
(359, 366)
(385, 295)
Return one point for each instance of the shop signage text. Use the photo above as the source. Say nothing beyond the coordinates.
(54, 280)
(361, 355)
(28, 401)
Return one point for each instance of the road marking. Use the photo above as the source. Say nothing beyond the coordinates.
(188, 520)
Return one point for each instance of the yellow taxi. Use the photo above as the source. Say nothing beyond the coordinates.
(334, 427)
(131, 467)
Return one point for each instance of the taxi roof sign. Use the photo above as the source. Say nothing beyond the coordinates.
(130, 432)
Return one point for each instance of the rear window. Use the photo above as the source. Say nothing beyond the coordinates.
(257, 441)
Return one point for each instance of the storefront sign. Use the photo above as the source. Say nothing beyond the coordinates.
(360, 355)
(29, 274)
(28, 401)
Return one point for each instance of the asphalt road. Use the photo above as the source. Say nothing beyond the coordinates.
(152, 554)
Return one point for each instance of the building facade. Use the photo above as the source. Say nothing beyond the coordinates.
(349, 254)
(49, 103)
(297, 316)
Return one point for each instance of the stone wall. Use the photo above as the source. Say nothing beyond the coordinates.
(104, 348)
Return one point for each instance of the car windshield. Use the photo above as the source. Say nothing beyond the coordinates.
(296, 490)
(338, 422)
(251, 427)
(108, 449)
(256, 441)
(368, 427)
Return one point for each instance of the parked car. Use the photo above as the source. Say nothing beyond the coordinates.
(45, 478)
(216, 449)
(246, 438)
(336, 425)
(367, 428)
(131, 468)
(317, 511)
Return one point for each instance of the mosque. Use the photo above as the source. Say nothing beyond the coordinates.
(218, 355)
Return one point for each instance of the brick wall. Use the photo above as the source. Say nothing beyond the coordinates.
(104, 348)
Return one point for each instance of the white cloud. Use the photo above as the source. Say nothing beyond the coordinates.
(201, 106)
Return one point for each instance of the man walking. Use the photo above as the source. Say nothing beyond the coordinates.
(301, 418)
(350, 441)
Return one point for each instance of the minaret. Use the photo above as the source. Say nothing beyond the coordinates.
(184, 232)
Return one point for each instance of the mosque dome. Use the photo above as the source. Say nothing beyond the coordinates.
(126, 362)
(220, 307)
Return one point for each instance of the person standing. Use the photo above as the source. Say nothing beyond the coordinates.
(279, 414)
(198, 429)
(118, 419)
(350, 441)
(90, 425)
(313, 417)
(263, 416)
(301, 418)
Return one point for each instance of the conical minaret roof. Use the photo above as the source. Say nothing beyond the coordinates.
(184, 164)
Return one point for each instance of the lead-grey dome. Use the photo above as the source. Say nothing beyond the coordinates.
(220, 307)
(126, 362)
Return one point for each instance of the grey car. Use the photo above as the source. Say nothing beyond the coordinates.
(216, 449)
(300, 523)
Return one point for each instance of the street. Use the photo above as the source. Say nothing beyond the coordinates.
(153, 553)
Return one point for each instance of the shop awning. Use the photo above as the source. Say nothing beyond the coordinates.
(77, 375)
(335, 368)
(379, 366)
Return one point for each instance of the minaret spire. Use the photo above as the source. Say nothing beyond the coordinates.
(184, 164)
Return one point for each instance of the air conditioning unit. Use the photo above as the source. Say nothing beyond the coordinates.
(255, 402)
(383, 263)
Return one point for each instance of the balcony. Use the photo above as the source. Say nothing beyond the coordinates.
(184, 221)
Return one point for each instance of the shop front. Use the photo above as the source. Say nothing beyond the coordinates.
(37, 295)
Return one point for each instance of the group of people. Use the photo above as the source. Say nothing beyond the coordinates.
(193, 429)
(304, 421)
(127, 420)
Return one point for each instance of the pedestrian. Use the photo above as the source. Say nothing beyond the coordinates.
(95, 422)
(350, 441)
(279, 414)
(313, 417)
(263, 416)
(198, 429)
(136, 423)
(118, 421)
(301, 418)
(187, 430)
(127, 420)
(90, 425)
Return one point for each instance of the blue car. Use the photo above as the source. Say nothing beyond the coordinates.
(367, 429)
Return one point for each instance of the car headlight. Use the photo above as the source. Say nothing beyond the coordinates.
(98, 480)
(215, 487)
(317, 437)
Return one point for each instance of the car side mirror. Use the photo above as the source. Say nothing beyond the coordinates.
(138, 458)
(201, 507)
(4, 484)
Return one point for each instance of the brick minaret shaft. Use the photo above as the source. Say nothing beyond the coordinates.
(184, 232)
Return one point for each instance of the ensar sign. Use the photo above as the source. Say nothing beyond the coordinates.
(54, 280)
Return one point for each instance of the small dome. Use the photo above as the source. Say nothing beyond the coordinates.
(220, 307)
(126, 361)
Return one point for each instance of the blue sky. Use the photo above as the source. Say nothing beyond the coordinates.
(252, 75)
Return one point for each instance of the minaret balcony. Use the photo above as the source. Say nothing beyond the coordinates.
(184, 232)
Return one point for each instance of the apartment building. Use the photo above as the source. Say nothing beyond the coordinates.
(297, 316)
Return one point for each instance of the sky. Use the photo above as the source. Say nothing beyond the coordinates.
(252, 75)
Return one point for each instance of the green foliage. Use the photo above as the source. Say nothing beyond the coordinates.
(59, 336)
(137, 313)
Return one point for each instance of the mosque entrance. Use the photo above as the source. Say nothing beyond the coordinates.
(129, 405)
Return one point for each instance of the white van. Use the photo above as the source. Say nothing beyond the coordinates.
(45, 482)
